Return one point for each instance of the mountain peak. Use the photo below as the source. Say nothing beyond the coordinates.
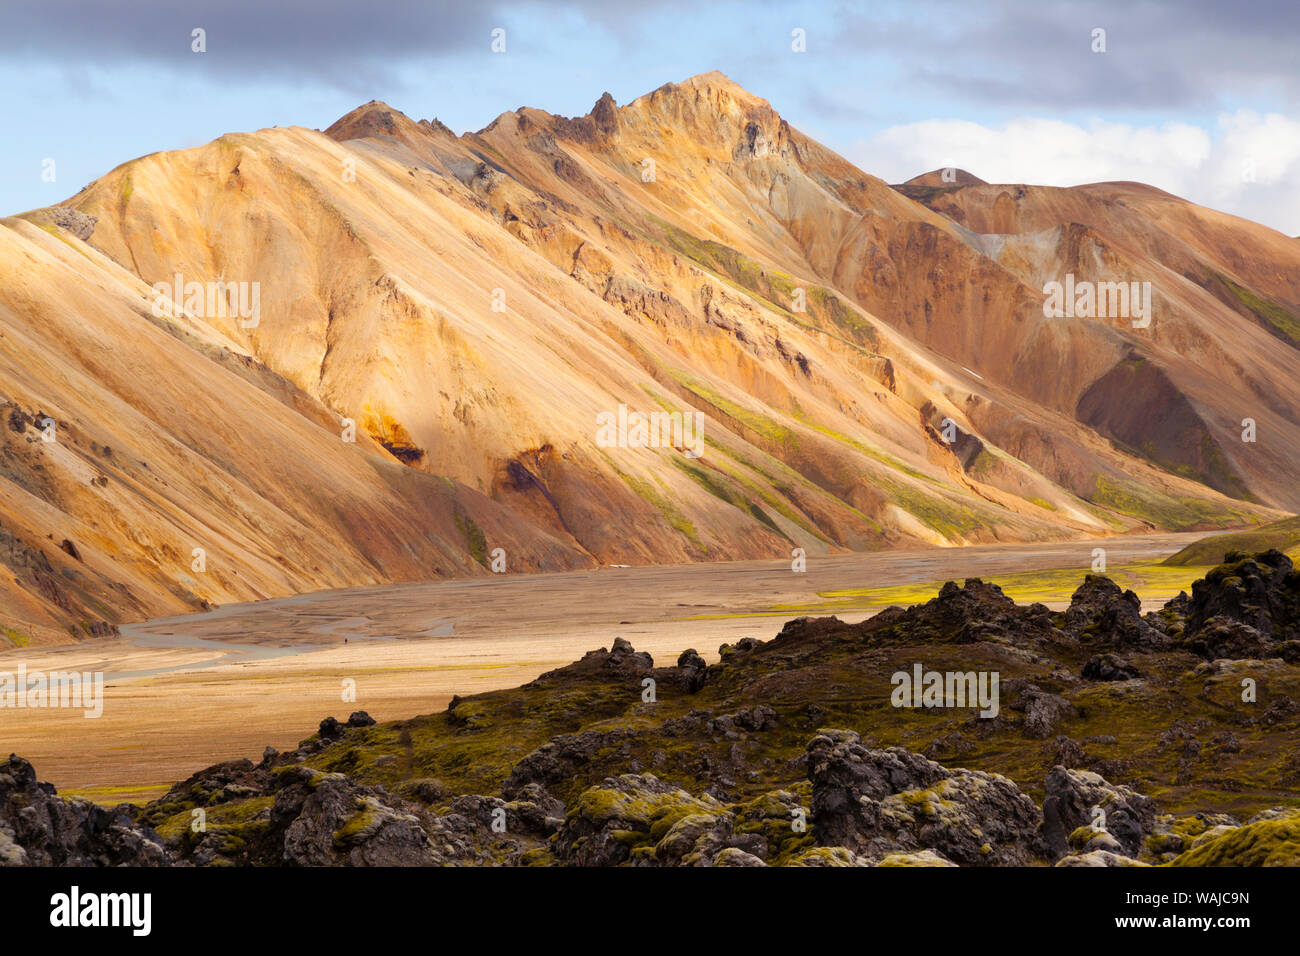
(377, 118)
(946, 176)
(715, 82)
(713, 79)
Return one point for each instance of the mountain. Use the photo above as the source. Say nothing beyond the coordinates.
(873, 364)
(1222, 344)
(169, 437)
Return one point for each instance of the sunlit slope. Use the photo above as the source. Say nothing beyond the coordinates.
(1283, 535)
(872, 372)
(1224, 342)
(169, 439)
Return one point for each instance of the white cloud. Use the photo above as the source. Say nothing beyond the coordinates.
(1248, 165)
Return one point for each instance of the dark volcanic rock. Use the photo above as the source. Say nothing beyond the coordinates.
(1100, 614)
(970, 613)
(644, 821)
(560, 759)
(875, 802)
(1043, 711)
(40, 828)
(1249, 606)
(220, 783)
(692, 670)
(620, 662)
(1073, 795)
(1222, 637)
(1109, 667)
(533, 812)
(330, 820)
(1262, 591)
(609, 819)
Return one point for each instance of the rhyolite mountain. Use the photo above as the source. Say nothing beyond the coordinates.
(474, 302)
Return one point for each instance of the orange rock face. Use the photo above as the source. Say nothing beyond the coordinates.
(872, 364)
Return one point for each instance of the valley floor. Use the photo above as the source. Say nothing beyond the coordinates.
(185, 692)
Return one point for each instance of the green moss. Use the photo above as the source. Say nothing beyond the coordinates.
(1283, 535)
(760, 426)
(765, 493)
(676, 520)
(920, 858)
(1175, 513)
(925, 497)
(1277, 320)
(720, 487)
(475, 540)
(1160, 844)
(355, 827)
(229, 827)
(867, 449)
(711, 482)
(15, 637)
(1266, 843)
(823, 856)
(1051, 585)
(824, 309)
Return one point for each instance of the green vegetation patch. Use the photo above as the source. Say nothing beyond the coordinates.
(1265, 843)
(1176, 513)
(1277, 320)
(1150, 581)
(475, 540)
(1283, 535)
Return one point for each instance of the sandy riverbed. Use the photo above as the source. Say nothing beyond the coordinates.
(183, 693)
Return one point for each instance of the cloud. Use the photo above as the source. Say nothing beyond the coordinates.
(1159, 54)
(1247, 164)
(318, 38)
(344, 42)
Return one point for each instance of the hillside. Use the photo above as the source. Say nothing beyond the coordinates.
(873, 371)
(1283, 535)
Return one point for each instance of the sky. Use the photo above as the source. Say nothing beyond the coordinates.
(1198, 97)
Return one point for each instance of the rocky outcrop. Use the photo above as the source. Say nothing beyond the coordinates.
(1109, 667)
(1082, 799)
(329, 820)
(875, 802)
(1043, 711)
(759, 759)
(1248, 607)
(560, 758)
(1102, 615)
(40, 828)
(637, 813)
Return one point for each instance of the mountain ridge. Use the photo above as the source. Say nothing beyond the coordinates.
(690, 251)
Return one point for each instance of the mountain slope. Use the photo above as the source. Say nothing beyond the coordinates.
(1224, 343)
(170, 439)
(872, 372)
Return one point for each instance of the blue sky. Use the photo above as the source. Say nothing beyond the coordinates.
(1197, 97)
